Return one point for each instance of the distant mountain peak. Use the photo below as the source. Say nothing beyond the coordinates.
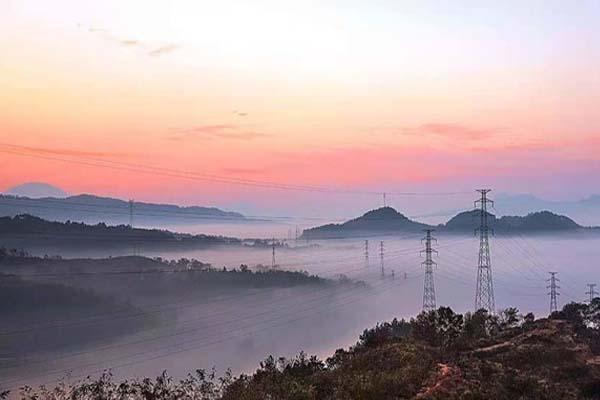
(384, 212)
(382, 220)
(36, 190)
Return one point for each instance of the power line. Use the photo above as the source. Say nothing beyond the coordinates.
(183, 212)
(142, 168)
(531, 250)
(203, 318)
(78, 322)
(82, 322)
(221, 339)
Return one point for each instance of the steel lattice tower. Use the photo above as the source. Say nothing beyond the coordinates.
(273, 255)
(592, 292)
(134, 244)
(366, 253)
(484, 293)
(131, 213)
(428, 288)
(553, 293)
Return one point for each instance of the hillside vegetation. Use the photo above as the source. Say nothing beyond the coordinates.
(437, 355)
(387, 220)
(140, 277)
(30, 231)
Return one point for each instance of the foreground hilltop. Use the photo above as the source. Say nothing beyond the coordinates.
(437, 355)
(387, 220)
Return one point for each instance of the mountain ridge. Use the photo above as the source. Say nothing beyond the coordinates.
(93, 209)
(387, 220)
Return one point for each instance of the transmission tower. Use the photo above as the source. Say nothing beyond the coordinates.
(131, 213)
(484, 293)
(428, 287)
(273, 254)
(384, 199)
(553, 293)
(592, 291)
(381, 257)
(134, 245)
(366, 253)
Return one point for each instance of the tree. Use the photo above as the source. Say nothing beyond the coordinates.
(385, 332)
(476, 326)
(509, 318)
(441, 327)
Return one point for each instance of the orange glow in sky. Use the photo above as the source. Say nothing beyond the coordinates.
(381, 95)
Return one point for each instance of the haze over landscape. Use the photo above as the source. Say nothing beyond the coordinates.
(400, 199)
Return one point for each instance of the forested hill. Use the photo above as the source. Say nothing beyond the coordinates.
(28, 231)
(387, 220)
(543, 221)
(383, 220)
(94, 209)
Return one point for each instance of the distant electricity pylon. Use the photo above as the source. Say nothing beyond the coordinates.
(384, 199)
(273, 255)
(484, 292)
(592, 291)
(553, 293)
(381, 257)
(131, 213)
(134, 245)
(366, 253)
(428, 287)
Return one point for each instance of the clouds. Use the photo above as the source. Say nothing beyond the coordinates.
(452, 131)
(457, 131)
(243, 171)
(162, 50)
(147, 48)
(218, 131)
(129, 42)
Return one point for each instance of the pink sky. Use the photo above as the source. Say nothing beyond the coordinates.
(385, 96)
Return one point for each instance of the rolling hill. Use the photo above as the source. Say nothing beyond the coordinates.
(382, 220)
(386, 220)
(31, 232)
(95, 209)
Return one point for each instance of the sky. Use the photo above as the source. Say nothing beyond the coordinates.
(123, 98)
